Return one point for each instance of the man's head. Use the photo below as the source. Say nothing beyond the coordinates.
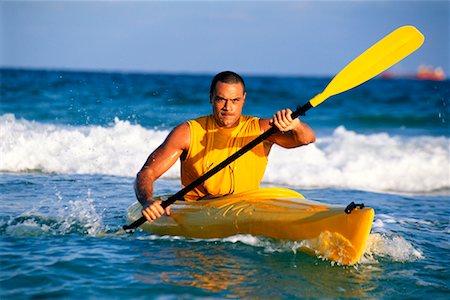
(227, 96)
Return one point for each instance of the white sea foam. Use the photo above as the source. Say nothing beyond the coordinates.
(119, 149)
(391, 247)
(345, 159)
(385, 242)
(376, 162)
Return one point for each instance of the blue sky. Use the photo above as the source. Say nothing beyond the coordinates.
(251, 37)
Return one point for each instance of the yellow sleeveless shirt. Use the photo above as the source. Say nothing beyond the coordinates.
(210, 145)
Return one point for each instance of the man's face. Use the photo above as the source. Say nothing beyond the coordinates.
(227, 103)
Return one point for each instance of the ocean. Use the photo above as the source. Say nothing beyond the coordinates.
(72, 142)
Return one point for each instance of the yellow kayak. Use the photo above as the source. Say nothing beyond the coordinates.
(325, 230)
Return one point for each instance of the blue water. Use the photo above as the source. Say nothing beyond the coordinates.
(71, 143)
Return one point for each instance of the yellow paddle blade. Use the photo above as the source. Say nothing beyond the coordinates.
(384, 54)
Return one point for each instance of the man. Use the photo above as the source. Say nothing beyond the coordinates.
(202, 143)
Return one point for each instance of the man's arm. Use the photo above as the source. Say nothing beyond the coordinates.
(156, 165)
(293, 133)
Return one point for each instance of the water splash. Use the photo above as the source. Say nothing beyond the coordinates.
(392, 247)
(57, 218)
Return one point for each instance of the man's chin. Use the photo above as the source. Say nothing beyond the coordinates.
(226, 123)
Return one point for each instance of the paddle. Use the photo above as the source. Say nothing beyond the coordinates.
(382, 55)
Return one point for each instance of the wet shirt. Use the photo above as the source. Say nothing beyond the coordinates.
(210, 145)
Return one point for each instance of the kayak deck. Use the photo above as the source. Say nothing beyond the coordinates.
(278, 213)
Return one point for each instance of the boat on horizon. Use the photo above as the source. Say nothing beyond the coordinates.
(424, 72)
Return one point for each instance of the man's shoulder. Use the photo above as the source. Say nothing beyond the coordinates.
(180, 136)
(250, 119)
(200, 122)
(180, 130)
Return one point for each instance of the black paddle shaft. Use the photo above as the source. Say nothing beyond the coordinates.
(300, 111)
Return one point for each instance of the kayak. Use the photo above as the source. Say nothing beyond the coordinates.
(324, 230)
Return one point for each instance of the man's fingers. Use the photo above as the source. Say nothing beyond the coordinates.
(285, 115)
(153, 211)
(280, 120)
(283, 120)
(288, 114)
(148, 215)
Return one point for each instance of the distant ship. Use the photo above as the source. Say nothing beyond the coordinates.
(423, 73)
(428, 73)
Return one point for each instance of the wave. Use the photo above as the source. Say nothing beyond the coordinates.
(344, 159)
(119, 149)
(373, 162)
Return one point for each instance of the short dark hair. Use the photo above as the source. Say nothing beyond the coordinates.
(226, 77)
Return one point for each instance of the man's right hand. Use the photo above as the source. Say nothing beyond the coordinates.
(153, 210)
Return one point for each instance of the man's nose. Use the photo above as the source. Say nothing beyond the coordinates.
(225, 105)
